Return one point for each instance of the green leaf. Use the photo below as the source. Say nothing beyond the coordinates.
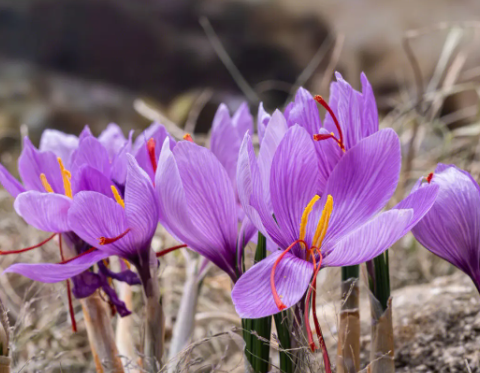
(283, 324)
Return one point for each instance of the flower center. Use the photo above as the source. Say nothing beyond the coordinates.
(319, 137)
(66, 176)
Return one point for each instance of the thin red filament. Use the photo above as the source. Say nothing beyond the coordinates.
(69, 290)
(151, 144)
(78, 256)
(107, 240)
(430, 177)
(169, 250)
(318, 330)
(322, 102)
(320, 137)
(28, 248)
(280, 305)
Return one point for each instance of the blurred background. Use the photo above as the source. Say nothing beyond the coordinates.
(67, 63)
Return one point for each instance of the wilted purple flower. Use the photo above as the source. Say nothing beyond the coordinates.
(451, 229)
(197, 203)
(343, 228)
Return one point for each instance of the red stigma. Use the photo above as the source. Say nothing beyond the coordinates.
(280, 305)
(107, 241)
(430, 177)
(28, 248)
(151, 144)
(65, 261)
(187, 137)
(169, 250)
(322, 102)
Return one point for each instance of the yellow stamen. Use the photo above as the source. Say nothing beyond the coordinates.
(66, 176)
(126, 263)
(117, 196)
(46, 185)
(323, 223)
(306, 212)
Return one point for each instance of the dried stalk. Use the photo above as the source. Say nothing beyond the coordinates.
(123, 336)
(4, 341)
(348, 350)
(100, 335)
(382, 352)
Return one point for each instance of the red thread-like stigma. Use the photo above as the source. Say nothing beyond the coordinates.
(92, 249)
(106, 240)
(169, 250)
(430, 177)
(280, 305)
(28, 248)
(322, 102)
(187, 137)
(151, 144)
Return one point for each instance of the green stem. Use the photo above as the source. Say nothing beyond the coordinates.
(350, 272)
(283, 323)
(381, 284)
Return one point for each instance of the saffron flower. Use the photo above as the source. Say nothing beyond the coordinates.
(339, 228)
(197, 204)
(451, 229)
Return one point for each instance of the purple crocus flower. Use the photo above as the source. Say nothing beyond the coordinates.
(46, 196)
(342, 227)
(451, 229)
(110, 226)
(197, 204)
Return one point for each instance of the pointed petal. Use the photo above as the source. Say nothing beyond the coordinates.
(32, 163)
(51, 273)
(451, 228)
(11, 185)
(112, 139)
(45, 211)
(91, 152)
(60, 143)
(370, 111)
(252, 194)
(304, 112)
(369, 240)
(196, 204)
(328, 155)
(262, 121)
(119, 163)
(242, 120)
(252, 294)
(225, 141)
(362, 182)
(293, 180)
(140, 204)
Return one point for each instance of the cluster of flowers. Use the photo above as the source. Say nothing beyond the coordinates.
(315, 189)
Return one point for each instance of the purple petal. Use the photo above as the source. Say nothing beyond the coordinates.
(89, 178)
(328, 155)
(197, 202)
(370, 111)
(119, 163)
(362, 182)
(369, 240)
(262, 121)
(85, 133)
(94, 215)
(32, 163)
(225, 141)
(85, 284)
(451, 228)
(252, 193)
(112, 139)
(50, 273)
(242, 120)
(140, 204)
(293, 180)
(92, 153)
(252, 294)
(60, 143)
(11, 185)
(304, 112)
(45, 211)
(158, 133)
